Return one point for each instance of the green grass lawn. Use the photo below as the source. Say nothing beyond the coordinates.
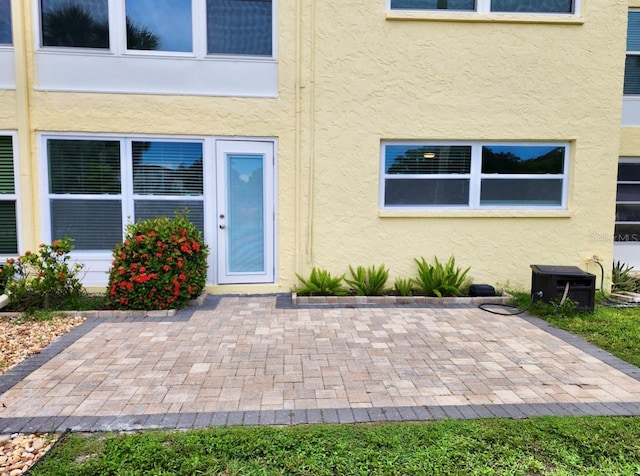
(557, 446)
(537, 446)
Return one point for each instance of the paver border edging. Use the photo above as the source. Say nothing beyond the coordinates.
(188, 420)
(383, 301)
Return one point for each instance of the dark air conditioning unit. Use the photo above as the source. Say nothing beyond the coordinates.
(550, 283)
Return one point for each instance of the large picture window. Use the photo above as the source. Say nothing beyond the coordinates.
(473, 175)
(6, 37)
(485, 6)
(232, 27)
(8, 199)
(89, 198)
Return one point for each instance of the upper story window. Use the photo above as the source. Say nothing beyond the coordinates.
(474, 175)
(161, 25)
(232, 27)
(6, 37)
(75, 23)
(487, 6)
(632, 64)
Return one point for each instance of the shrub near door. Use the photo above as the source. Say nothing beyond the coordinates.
(161, 264)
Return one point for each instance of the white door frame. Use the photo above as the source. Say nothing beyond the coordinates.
(265, 149)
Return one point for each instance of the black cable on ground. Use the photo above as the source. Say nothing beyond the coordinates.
(484, 305)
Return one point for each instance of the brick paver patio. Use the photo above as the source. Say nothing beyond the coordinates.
(249, 361)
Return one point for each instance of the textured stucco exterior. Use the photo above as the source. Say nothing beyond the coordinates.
(448, 80)
(351, 75)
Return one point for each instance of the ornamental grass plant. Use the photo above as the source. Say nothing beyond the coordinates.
(161, 264)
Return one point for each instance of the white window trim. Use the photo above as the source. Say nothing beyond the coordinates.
(484, 7)
(17, 192)
(121, 71)
(126, 195)
(483, 14)
(475, 177)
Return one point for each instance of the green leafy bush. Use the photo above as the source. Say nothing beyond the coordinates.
(320, 283)
(42, 280)
(161, 264)
(368, 282)
(440, 280)
(403, 287)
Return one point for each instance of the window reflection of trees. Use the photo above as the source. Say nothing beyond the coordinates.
(551, 162)
(86, 25)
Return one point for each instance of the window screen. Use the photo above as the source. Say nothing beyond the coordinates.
(5, 23)
(239, 27)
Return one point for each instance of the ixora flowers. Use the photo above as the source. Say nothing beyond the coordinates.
(43, 279)
(161, 264)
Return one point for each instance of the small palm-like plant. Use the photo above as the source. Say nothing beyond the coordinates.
(623, 279)
(368, 282)
(440, 280)
(320, 283)
(403, 287)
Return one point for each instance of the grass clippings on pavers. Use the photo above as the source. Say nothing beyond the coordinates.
(547, 445)
(616, 330)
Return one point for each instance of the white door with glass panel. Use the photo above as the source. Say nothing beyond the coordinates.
(245, 211)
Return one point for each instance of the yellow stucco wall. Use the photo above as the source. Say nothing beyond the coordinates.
(446, 80)
(8, 112)
(350, 76)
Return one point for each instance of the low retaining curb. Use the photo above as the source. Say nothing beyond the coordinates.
(391, 300)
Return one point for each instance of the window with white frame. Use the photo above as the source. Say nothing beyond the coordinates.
(487, 6)
(8, 198)
(98, 185)
(231, 27)
(632, 63)
(473, 175)
(6, 37)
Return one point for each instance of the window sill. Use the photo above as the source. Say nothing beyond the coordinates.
(161, 55)
(475, 213)
(567, 19)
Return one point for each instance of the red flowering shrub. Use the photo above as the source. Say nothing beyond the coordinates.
(161, 264)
